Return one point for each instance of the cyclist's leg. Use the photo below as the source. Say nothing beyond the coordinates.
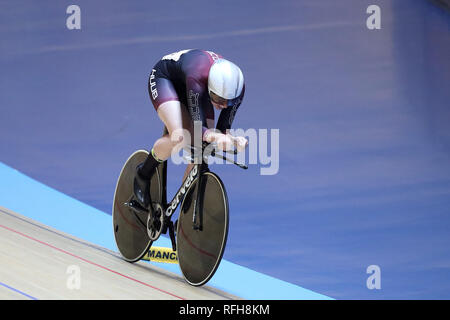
(165, 100)
(177, 120)
(162, 94)
(187, 124)
(181, 131)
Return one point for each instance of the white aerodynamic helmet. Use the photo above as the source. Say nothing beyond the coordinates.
(225, 82)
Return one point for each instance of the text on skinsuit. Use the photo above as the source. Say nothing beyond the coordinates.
(153, 85)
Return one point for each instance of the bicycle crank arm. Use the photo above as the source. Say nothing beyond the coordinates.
(172, 235)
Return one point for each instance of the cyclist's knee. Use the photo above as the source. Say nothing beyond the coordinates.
(180, 138)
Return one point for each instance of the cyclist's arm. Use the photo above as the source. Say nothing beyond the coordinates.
(225, 140)
(227, 115)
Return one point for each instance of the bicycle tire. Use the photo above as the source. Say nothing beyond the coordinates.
(200, 252)
(129, 227)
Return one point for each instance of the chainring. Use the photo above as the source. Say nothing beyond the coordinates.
(155, 222)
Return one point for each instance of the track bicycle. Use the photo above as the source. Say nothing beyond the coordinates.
(199, 235)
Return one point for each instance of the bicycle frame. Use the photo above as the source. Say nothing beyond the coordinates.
(181, 193)
(195, 173)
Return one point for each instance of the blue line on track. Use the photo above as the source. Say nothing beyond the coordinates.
(18, 291)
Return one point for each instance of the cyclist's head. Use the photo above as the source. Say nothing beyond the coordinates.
(225, 82)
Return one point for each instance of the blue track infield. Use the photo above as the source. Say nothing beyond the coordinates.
(39, 202)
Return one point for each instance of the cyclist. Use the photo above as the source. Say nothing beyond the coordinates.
(184, 87)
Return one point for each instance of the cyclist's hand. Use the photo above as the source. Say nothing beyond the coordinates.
(240, 143)
(224, 142)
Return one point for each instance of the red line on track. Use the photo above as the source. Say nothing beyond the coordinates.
(90, 262)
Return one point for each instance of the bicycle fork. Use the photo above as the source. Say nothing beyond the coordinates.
(197, 217)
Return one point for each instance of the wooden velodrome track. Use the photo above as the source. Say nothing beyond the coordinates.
(38, 262)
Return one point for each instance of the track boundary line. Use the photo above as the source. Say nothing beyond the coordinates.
(90, 262)
(18, 291)
(57, 232)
